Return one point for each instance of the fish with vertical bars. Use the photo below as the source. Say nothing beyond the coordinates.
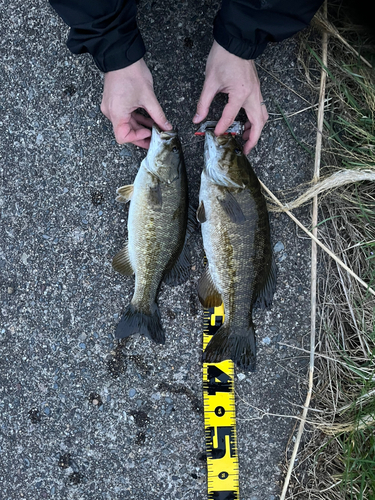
(241, 271)
(157, 223)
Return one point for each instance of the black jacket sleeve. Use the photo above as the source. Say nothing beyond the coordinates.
(107, 29)
(244, 27)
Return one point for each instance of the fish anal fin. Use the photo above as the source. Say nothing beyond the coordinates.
(207, 291)
(125, 193)
(201, 214)
(268, 287)
(121, 262)
(180, 272)
(232, 208)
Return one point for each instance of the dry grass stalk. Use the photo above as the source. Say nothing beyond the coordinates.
(318, 242)
(349, 426)
(318, 148)
(321, 22)
(334, 181)
(282, 83)
(338, 389)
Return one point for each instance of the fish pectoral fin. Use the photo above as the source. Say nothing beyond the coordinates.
(121, 262)
(267, 288)
(124, 193)
(207, 291)
(181, 270)
(201, 213)
(232, 208)
(155, 196)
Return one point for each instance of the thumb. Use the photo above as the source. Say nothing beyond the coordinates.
(203, 106)
(156, 112)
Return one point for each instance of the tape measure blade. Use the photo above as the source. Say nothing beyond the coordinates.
(219, 418)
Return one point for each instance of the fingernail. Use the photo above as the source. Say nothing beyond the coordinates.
(196, 118)
(168, 126)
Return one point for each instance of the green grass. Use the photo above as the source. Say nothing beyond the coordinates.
(358, 453)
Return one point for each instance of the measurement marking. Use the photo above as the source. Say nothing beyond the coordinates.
(219, 418)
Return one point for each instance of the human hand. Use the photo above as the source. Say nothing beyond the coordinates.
(238, 78)
(126, 90)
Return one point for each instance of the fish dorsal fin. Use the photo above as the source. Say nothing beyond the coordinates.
(121, 262)
(125, 193)
(201, 213)
(267, 288)
(207, 291)
(181, 270)
(231, 207)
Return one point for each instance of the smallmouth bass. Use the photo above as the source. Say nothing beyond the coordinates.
(157, 224)
(241, 271)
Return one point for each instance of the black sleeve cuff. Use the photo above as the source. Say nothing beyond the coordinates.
(246, 49)
(244, 27)
(107, 29)
(120, 55)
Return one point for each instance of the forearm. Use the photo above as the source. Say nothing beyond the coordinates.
(107, 29)
(244, 27)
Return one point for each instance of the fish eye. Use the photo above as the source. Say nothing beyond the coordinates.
(175, 149)
(238, 152)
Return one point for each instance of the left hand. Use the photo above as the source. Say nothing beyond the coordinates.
(238, 78)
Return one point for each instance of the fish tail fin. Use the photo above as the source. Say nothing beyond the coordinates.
(239, 346)
(136, 321)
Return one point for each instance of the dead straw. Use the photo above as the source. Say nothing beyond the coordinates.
(334, 181)
(324, 247)
(318, 149)
(322, 23)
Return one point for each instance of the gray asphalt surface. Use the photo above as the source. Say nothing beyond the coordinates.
(80, 417)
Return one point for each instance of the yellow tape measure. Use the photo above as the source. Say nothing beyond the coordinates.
(219, 418)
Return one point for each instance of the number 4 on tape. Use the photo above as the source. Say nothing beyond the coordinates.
(219, 418)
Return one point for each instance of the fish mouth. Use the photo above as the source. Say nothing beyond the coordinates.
(211, 145)
(218, 141)
(217, 166)
(165, 135)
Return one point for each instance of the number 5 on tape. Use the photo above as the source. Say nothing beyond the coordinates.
(219, 418)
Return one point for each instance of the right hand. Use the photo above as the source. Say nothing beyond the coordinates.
(126, 90)
(237, 77)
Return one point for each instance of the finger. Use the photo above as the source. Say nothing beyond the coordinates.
(247, 126)
(228, 116)
(246, 134)
(265, 113)
(156, 112)
(204, 103)
(129, 132)
(143, 120)
(145, 143)
(258, 117)
(253, 136)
